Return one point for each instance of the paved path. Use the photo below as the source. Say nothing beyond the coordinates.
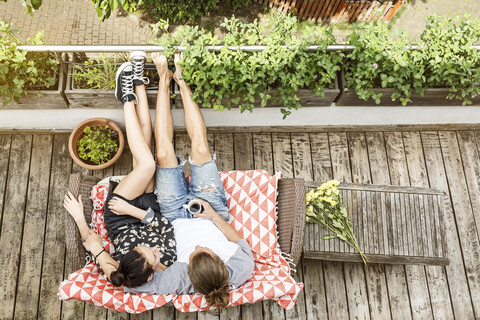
(413, 18)
(74, 22)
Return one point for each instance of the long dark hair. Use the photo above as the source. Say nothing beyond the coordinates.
(133, 270)
(209, 276)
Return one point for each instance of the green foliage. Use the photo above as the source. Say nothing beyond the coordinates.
(105, 7)
(445, 45)
(20, 70)
(97, 74)
(98, 144)
(238, 77)
(179, 11)
(444, 58)
(29, 5)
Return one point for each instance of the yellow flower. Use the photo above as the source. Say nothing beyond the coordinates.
(308, 197)
(328, 192)
(333, 203)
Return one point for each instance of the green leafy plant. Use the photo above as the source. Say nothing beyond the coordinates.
(29, 5)
(231, 76)
(382, 60)
(443, 58)
(324, 206)
(97, 74)
(19, 69)
(446, 45)
(98, 144)
(179, 11)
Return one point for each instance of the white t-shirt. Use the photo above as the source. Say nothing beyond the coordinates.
(203, 232)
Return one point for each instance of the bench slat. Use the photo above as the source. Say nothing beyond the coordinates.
(393, 224)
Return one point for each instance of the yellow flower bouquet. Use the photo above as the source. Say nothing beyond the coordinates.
(324, 206)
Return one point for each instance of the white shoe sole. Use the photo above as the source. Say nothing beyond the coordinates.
(138, 53)
(117, 77)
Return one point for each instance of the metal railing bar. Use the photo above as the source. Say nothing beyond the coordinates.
(153, 48)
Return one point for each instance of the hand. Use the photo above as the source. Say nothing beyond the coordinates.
(119, 206)
(161, 63)
(74, 206)
(208, 212)
(93, 243)
(177, 76)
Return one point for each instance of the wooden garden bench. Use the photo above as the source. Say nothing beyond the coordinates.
(393, 224)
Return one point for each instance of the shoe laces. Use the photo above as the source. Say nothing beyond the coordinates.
(127, 85)
(138, 67)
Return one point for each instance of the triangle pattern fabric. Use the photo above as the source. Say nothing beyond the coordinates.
(251, 198)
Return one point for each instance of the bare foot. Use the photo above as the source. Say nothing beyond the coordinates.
(161, 63)
(119, 206)
(177, 76)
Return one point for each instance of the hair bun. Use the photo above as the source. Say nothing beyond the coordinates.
(117, 278)
(219, 297)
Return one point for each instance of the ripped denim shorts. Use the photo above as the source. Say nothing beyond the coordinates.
(173, 191)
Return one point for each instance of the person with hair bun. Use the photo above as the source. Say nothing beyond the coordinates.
(143, 239)
(212, 257)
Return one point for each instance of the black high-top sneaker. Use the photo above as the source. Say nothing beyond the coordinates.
(138, 58)
(124, 84)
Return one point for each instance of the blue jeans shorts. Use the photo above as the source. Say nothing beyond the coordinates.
(173, 191)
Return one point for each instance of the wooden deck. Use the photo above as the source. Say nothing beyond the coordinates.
(34, 170)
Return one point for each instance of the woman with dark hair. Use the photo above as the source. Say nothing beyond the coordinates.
(143, 239)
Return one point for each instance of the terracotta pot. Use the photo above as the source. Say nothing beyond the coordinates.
(77, 134)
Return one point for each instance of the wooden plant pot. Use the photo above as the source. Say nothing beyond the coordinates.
(77, 134)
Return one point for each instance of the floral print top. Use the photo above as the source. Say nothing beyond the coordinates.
(153, 230)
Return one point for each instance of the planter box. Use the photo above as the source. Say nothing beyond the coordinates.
(431, 97)
(308, 98)
(92, 98)
(53, 98)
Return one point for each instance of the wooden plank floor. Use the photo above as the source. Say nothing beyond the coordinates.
(34, 170)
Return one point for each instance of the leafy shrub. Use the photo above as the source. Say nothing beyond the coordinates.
(443, 58)
(446, 45)
(97, 74)
(20, 70)
(178, 11)
(241, 77)
(98, 144)
(181, 10)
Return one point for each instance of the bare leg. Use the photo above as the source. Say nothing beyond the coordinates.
(194, 122)
(143, 115)
(136, 182)
(163, 117)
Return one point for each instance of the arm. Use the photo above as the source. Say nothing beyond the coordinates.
(93, 244)
(122, 207)
(75, 208)
(208, 213)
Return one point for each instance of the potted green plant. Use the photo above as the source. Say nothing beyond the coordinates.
(28, 79)
(279, 76)
(96, 143)
(441, 70)
(91, 83)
